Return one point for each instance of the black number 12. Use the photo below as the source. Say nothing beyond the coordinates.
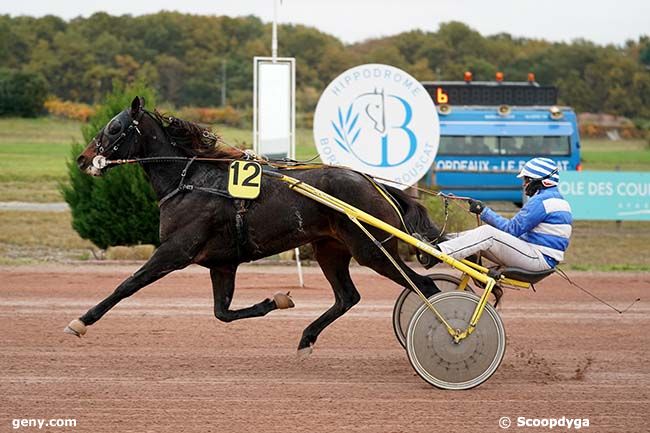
(248, 180)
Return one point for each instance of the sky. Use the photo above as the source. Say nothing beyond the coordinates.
(600, 21)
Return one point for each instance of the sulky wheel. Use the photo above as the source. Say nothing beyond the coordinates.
(408, 302)
(444, 363)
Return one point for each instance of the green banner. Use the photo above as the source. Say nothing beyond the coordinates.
(607, 195)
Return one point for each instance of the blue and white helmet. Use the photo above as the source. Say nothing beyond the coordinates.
(541, 168)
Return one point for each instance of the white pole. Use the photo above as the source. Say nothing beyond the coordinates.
(274, 54)
(274, 39)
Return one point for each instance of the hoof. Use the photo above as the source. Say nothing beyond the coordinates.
(304, 353)
(76, 327)
(283, 301)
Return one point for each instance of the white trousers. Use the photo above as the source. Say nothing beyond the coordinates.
(498, 246)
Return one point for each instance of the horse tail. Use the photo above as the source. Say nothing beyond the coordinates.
(415, 216)
(418, 224)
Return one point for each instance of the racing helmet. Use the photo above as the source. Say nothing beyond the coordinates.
(544, 169)
(542, 172)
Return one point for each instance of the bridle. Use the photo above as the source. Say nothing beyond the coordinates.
(127, 132)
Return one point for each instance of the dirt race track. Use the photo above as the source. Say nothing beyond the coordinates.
(161, 362)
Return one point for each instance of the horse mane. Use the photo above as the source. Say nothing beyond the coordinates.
(195, 139)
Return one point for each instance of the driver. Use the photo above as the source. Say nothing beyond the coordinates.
(535, 238)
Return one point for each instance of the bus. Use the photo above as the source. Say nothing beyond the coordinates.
(488, 130)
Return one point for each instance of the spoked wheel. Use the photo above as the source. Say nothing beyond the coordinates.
(409, 301)
(444, 363)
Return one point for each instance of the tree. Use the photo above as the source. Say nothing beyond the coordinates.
(642, 89)
(171, 73)
(21, 93)
(644, 51)
(181, 55)
(574, 91)
(119, 208)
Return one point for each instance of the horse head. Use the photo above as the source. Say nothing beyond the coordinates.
(119, 138)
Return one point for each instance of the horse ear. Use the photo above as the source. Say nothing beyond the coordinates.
(137, 104)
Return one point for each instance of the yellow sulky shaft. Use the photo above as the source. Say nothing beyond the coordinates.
(358, 215)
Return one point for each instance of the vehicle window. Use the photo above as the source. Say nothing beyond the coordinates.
(534, 145)
(528, 145)
(468, 145)
(557, 145)
(504, 145)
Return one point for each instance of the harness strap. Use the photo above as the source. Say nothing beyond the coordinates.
(241, 228)
(181, 185)
(389, 198)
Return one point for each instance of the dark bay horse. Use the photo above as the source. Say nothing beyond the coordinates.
(215, 231)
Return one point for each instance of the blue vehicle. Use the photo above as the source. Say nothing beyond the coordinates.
(488, 130)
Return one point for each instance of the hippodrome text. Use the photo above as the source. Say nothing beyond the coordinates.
(378, 73)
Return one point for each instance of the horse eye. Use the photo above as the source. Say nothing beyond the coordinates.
(114, 127)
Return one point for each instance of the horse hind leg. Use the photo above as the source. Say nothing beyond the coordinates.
(371, 256)
(223, 287)
(334, 259)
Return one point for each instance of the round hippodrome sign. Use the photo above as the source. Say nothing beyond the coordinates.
(380, 120)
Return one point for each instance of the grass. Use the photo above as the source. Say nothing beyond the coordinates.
(45, 191)
(609, 246)
(33, 162)
(39, 236)
(628, 155)
(34, 150)
(32, 157)
(48, 229)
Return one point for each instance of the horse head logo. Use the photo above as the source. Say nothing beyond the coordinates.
(376, 109)
(373, 104)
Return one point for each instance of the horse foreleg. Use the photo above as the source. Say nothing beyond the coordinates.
(166, 259)
(223, 287)
(334, 260)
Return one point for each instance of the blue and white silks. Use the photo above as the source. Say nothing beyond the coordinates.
(544, 221)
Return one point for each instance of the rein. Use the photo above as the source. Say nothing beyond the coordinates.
(101, 162)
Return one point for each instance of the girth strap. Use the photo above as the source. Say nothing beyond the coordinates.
(241, 230)
(182, 186)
